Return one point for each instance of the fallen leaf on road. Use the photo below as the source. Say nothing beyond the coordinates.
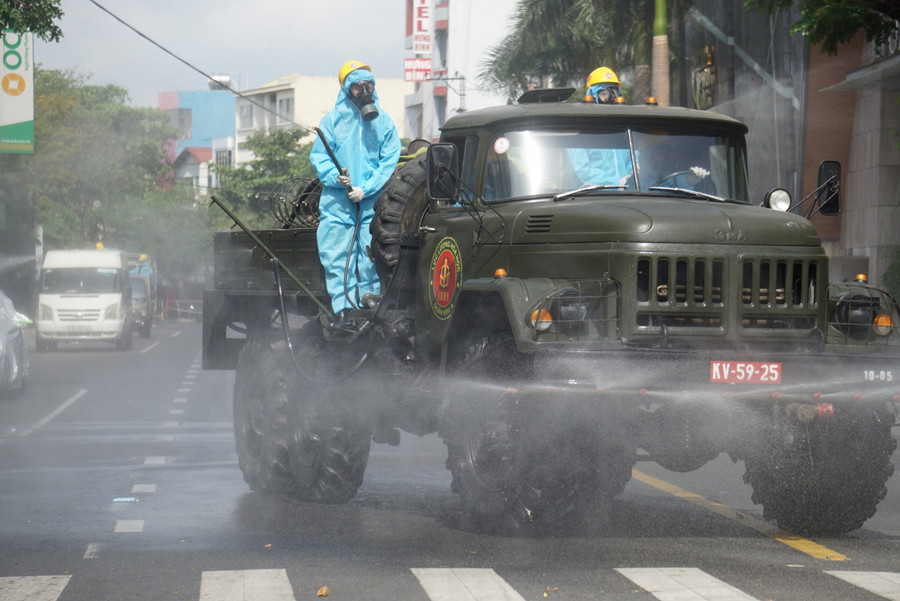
(323, 592)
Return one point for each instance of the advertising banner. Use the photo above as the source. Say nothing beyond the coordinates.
(422, 28)
(17, 93)
(417, 69)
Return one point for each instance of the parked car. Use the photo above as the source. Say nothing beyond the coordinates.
(13, 346)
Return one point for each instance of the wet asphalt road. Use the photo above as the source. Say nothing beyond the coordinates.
(119, 480)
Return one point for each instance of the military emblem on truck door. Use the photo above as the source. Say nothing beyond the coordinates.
(446, 274)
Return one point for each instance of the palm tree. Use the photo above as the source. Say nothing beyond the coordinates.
(558, 42)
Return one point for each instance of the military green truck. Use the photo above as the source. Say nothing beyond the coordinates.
(567, 289)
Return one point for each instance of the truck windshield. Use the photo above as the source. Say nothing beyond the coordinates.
(80, 280)
(538, 162)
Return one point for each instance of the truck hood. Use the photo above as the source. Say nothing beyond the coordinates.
(663, 219)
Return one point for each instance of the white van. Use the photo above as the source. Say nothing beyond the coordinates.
(84, 295)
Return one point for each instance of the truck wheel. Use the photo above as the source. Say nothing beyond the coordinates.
(829, 477)
(329, 439)
(506, 481)
(261, 398)
(398, 209)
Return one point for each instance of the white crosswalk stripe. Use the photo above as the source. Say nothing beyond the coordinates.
(454, 584)
(883, 584)
(32, 588)
(246, 585)
(683, 584)
(465, 584)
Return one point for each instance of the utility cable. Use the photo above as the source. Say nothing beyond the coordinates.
(197, 69)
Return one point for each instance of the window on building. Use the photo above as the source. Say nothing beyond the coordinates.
(286, 109)
(245, 116)
(223, 157)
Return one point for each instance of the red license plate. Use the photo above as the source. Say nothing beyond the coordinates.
(755, 372)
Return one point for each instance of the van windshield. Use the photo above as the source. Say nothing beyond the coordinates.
(80, 280)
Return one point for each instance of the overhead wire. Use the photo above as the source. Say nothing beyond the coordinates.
(195, 68)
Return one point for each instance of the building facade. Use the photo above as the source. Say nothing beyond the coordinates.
(199, 116)
(453, 37)
(300, 101)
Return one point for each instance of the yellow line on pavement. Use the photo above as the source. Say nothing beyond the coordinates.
(801, 544)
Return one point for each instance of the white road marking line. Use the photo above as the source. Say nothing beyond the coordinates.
(129, 526)
(883, 584)
(246, 585)
(184, 390)
(92, 551)
(32, 588)
(179, 400)
(170, 424)
(154, 460)
(143, 489)
(55, 412)
(150, 347)
(465, 584)
(176, 411)
(175, 334)
(683, 584)
(165, 438)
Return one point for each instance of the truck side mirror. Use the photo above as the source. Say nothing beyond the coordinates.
(829, 186)
(442, 164)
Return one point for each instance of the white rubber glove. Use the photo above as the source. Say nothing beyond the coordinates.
(355, 194)
(344, 180)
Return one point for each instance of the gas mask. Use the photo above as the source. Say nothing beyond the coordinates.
(361, 93)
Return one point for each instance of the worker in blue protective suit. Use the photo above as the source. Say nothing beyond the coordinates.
(367, 146)
(607, 166)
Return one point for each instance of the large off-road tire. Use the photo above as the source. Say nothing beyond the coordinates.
(261, 433)
(826, 477)
(398, 209)
(329, 437)
(511, 475)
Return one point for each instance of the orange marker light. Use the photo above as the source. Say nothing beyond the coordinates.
(499, 273)
(541, 319)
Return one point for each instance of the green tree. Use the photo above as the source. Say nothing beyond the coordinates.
(91, 151)
(169, 225)
(37, 16)
(560, 41)
(278, 154)
(830, 23)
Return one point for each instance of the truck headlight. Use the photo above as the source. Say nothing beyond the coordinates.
(112, 312)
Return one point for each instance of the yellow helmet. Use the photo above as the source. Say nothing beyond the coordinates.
(603, 75)
(351, 66)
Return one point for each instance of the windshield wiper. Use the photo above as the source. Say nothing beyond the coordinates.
(586, 188)
(694, 193)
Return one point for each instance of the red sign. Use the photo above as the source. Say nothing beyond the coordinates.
(422, 26)
(417, 69)
(446, 276)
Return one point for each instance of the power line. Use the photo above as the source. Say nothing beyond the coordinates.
(191, 66)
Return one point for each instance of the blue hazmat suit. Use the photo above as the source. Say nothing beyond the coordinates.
(369, 151)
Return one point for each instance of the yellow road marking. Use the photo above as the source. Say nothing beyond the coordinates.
(801, 544)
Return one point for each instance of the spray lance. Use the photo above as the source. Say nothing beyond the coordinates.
(343, 171)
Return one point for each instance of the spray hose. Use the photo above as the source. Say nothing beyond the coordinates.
(340, 169)
(326, 310)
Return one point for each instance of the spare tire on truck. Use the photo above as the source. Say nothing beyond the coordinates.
(398, 209)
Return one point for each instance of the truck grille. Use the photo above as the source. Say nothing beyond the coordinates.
(696, 292)
(78, 315)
